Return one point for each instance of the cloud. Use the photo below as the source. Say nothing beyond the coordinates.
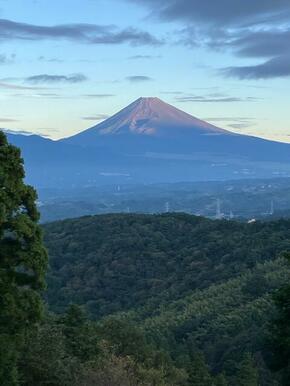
(219, 13)
(39, 95)
(49, 95)
(243, 42)
(46, 78)
(99, 95)
(226, 119)
(138, 78)
(3, 59)
(49, 60)
(266, 43)
(213, 98)
(236, 123)
(10, 86)
(250, 29)
(7, 120)
(140, 57)
(6, 59)
(129, 35)
(272, 44)
(238, 126)
(83, 33)
(172, 92)
(274, 68)
(97, 117)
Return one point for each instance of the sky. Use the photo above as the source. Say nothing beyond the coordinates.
(67, 65)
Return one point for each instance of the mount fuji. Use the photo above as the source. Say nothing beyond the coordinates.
(149, 117)
(150, 141)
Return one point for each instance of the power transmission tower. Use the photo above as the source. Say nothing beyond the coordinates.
(218, 215)
(272, 208)
(167, 208)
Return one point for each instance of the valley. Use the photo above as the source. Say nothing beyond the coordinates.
(242, 200)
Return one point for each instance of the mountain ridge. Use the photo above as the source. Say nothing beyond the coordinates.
(150, 141)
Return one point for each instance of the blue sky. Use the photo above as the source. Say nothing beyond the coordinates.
(66, 65)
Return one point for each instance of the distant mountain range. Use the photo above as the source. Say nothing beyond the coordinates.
(150, 141)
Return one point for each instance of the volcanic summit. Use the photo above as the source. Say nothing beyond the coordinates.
(149, 117)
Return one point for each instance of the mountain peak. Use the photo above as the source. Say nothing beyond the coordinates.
(148, 99)
(150, 116)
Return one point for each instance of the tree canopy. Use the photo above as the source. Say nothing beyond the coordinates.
(23, 260)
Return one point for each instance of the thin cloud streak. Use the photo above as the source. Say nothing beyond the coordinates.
(10, 86)
(139, 78)
(97, 117)
(47, 78)
(212, 99)
(99, 95)
(82, 33)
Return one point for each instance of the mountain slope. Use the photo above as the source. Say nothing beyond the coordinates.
(116, 262)
(57, 164)
(190, 283)
(150, 142)
(151, 128)
(148, 117)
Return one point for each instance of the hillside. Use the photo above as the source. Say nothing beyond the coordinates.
(116, 262)
(191, 284)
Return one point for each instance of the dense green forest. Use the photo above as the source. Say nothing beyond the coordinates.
(139, 300)
(112, 263)
(198, 290)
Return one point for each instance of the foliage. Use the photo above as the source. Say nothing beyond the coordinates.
(164, 288)
(279, 339)
(115, 263)
(199, 373)
(51, 355)
(46, 360)
(22, 260)
(175, 299)
(247, 374)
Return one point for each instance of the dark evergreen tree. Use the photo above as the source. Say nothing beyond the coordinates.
(23, 260)
(82, 341)
(199, 374)
(220, 380)
(247, 374)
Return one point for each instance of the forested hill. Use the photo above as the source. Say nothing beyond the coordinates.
(190, 284)
(117, 262)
